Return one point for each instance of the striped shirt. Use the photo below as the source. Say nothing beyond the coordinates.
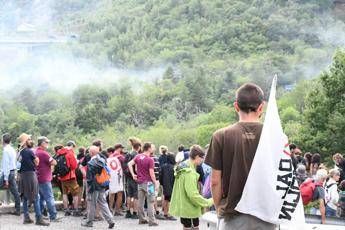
(157, 167)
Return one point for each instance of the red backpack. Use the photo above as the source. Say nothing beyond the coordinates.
(307, 190)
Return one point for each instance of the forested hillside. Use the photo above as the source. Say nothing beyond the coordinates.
(249, 39)
(207, 48)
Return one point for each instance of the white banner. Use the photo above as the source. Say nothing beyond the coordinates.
(271, 192)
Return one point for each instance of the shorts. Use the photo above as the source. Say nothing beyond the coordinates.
(167, 198)
(188, 223)
(116, 183)
(70, 186)
(244, 222)
(132, 188)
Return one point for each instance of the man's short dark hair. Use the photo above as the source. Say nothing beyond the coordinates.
(292, 146)
(6, 138)
(147, 146)
(316, 158)
(180, 148)
(249, 97)
(195, 151)
(81, 150)
(98, 143)
(136, 146)
(58, 147)
(111, 150)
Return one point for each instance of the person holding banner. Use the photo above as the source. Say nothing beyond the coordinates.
(231, 153)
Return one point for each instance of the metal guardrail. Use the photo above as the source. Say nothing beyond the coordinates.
(315, 219)
(312, 222)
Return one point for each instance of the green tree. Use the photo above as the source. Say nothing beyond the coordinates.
(325, 109)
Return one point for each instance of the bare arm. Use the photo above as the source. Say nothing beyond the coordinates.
(152, 175)
(53, 162)
(130, 167)
(322, 211)
(216, 186)
(36, 161)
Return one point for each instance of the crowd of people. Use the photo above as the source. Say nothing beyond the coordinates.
(322, 188)
(99, 183)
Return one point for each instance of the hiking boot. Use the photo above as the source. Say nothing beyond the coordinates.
(67, 212)
(128, 215)
(87, 224)
(152, 224)
(135, 216)
(111, 225)
(28, 220)
(41, 222)
(160, 217)
(77, 213)
(118, 214)
(170, 218)
(56, 220)
(143, 221)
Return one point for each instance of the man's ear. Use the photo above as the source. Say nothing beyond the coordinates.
(261, 108)
(236, 107)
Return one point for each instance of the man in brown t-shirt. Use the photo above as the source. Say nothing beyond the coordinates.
(231, 153)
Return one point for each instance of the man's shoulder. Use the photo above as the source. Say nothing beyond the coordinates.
(8, 149)
(27, 151)
(235, 128)
(41, 153)
(228, 129)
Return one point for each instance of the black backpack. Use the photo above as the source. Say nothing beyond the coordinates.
(125, 168)
(61, 168)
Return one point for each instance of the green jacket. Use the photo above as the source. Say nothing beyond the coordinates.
(186, 200)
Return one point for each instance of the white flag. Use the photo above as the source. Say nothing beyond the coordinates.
(271, 192)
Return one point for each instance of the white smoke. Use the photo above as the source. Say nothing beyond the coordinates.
(31, 54)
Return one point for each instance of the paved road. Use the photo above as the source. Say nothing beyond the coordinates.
(9, 222)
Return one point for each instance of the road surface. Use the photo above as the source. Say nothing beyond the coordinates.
(9, 222)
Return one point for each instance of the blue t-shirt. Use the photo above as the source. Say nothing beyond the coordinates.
(27, 160)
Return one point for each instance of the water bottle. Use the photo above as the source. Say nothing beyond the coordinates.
(150, 188)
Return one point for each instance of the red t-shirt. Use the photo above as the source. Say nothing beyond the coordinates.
(44, 172)
(144, 164)
(71, 163)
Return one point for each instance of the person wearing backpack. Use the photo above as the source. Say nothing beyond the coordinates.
(131, 184)
(313, 194)
(97, 177)
(332, 195)
(65, 169)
